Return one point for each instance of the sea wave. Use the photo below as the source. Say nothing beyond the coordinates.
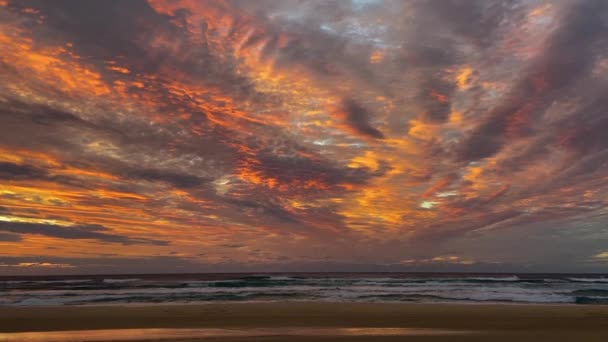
(283, 278)
(352, 293)
(589, 280)
(511, 278)
(120, 280)
(591, 300)
(591, 292)
(66, 281)
(474, 288)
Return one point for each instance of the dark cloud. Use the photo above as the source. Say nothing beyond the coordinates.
(77, 231)
(54, 128)
(10, 237)
(232, 246)
(21, 172)
(434, 98)
(16, 172)
(567, 60)
(319, 52)
(317, 174)
(305, 42)
(359, 118)
(176, 179)
(589, 135)
(12, 171)
(478, 21)
(440, 232)
(265, 208)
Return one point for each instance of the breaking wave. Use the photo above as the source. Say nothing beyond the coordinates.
(337, 287)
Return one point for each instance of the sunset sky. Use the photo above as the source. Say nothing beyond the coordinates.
(287, 135)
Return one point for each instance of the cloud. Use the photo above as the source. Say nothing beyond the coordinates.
(442, 259)
(77, 231)
(434, 98)
(602, 255)
(566, 60)
(358, 118)
(173, 178)
(15, 171)
(10, 237)
(365, 133)
(233, 246)
(37, 265)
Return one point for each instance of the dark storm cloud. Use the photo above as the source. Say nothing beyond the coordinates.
(478, 21)
(429, 58)
(16, 172)
(22, 172)
(582, 136)
(326, 53)
(320, 52)
(434, 98)
(316, 59)
(441, 37)
(320, 173)
(565, 62)
(449, 229)
(176, 179)
(358, 118)
(264, 208)
(10, 237)
(77, 231)
(591, 125)
(46, 123)
(482, 201)
(537, 149)
(579, 172)
(11, 171)
(42, 115)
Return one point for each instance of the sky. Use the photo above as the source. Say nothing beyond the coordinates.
(286, 135)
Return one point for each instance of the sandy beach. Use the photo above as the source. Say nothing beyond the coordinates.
(297, 321)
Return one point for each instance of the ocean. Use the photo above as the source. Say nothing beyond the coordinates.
(325, 287)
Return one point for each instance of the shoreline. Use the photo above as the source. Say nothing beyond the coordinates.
(320, 302)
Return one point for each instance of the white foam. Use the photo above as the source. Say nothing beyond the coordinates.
(39, 302)
(68, 281)
(512, 278)
(464, 289)
(590, 280)
(113, 281)
(282, 278)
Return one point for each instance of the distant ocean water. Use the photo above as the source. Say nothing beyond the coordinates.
(327, 287)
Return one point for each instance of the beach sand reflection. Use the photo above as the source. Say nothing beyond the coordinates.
(177, 334)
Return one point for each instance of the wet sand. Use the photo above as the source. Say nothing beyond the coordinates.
(319, 322)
